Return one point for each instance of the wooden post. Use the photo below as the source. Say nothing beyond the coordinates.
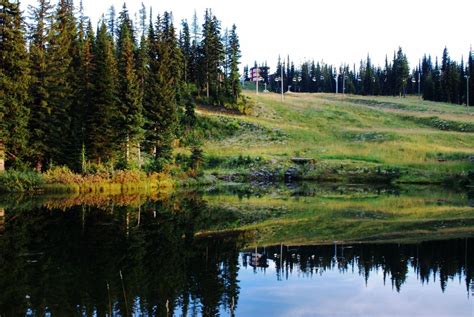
(2, 220)
(2, 156)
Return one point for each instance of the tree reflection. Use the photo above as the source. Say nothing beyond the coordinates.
(437, 261)
(71, 262)
(151, 257)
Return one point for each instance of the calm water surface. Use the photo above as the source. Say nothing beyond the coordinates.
(134, 257)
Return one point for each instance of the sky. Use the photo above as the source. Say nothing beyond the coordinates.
(333, 31)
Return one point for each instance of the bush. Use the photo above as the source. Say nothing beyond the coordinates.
(244, 105)
(197, 158)
(98, 169)
(127, 176)
(15, 181)
(62, 175)
(155, 165)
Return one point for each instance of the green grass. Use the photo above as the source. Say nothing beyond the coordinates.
(62, 180)
(324, 216)
(404, 133)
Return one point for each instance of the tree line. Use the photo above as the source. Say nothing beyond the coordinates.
(445, 81)
(72, 94)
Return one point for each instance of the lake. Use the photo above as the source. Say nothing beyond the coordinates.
(349, 251)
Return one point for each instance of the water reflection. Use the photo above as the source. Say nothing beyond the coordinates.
(432, 261)
(152, 256)
(116, 261)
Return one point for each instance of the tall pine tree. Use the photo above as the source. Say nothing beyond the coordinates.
(62, 51)
(39, 96)
(100, 128)
(130, 115)
(400, 72)
(161, 87)
(14, 81)
(212, 56)
(233, 58)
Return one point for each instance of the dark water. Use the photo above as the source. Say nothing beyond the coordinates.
(130, 258)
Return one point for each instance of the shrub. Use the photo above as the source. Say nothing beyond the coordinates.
(62, 175)
(15, 181)
(244, 105)
(98, 169)
(127, 176)
(197, 158)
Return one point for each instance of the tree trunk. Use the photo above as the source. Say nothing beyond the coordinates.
(2, 156)
(2, 220)
(139, 156)
(127, 151)
(39, 166)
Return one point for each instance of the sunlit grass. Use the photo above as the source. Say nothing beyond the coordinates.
(415, 213)
(333, 128)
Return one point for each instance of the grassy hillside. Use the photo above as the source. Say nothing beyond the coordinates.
(313, 213)
(408, 139)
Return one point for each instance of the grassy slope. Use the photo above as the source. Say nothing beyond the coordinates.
(414, 214)
(424, 139)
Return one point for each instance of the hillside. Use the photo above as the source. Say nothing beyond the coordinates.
(348, 138)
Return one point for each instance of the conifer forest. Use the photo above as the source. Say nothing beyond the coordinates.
(72, 92)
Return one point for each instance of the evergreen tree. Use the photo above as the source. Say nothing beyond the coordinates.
(143, 16)
(400, 72)
(186, 50)
(86, 90)
(111, 20)
(161, 87)
(445, 76)
(38, 90)
(82, 86)
(387, 79)
(100, 129)
(429, 88)
(234, 56)
(142, 64)
(192, 75)
(129, 113)
(212, 56)
(426, 70)
(436, 82)
(368, 78)
(470, 72)
(14, 81)
(61, 83)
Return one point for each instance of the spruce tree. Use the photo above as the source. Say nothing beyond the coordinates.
(84, 104)
(111, 22)
(82, 90)
(14, 81)
(186, 50)
(234, 56)
(400, 72)
(470, 73)
(62, 50)
(130, 114)
(426, 70)
(195, 54)
(39, 96)
(445, 76)
(429, 88)
(436, 82)
(368, 78)
(100, 129)
(212, 56)
(161, 88)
